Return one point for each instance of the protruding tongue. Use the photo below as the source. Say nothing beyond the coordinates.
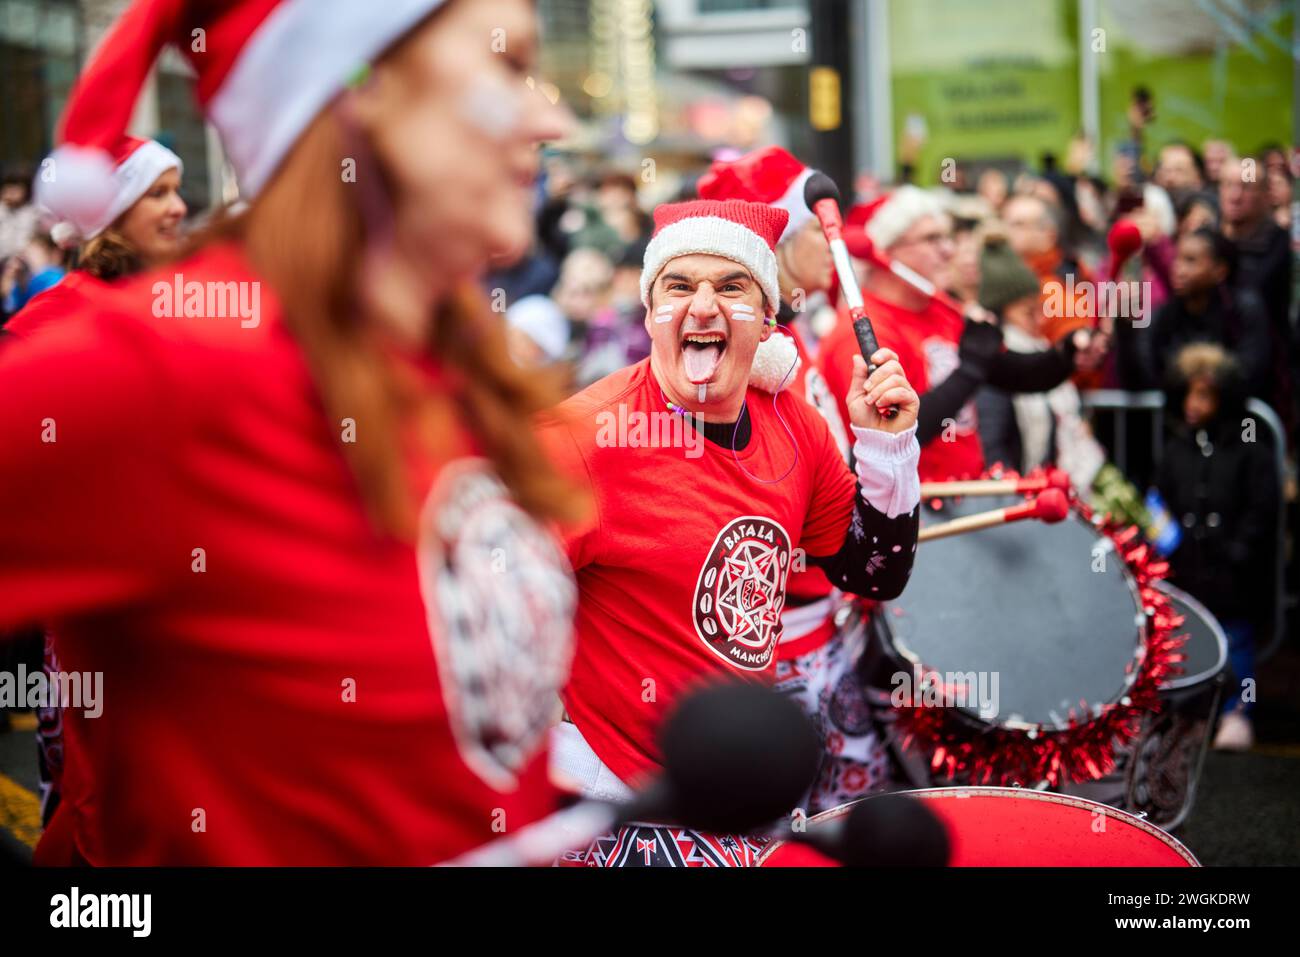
(701, 361)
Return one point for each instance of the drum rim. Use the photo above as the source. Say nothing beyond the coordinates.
(1141, 617)
(1188, 681)
(1051, 797)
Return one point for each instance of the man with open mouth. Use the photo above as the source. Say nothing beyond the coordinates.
(817, 660)
(682, 568)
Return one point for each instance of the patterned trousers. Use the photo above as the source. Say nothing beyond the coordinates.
(825, 684)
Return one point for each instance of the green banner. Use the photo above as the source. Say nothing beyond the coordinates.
(996, 79)
(999, 80)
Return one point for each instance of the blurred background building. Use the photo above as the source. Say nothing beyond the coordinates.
(895, 87)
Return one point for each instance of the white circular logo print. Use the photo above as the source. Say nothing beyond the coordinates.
(499, 597)
(741, 591)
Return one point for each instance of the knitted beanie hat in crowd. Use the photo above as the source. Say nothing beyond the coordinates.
(264, 70)
(1004, 277)
(745, 233)
(770, 176)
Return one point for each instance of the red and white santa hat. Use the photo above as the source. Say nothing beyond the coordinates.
(882, 222)
(770, 176)
(137, 164)
(745, 233)
(265, 69)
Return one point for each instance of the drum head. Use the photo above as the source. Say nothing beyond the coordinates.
(1010, 827)
(1045, 616)
(1206, 648)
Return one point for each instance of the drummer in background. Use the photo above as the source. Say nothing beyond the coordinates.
(816, 658)
(1220, 487)
(682, 571)
(947, 358)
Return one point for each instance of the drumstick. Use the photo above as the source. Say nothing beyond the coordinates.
(823, 199)
(1050, 506)
(1054, 478)
(1123, 240)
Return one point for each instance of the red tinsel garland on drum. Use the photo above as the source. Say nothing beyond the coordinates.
(1085, 750)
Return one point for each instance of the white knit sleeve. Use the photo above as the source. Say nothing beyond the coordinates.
(887, 469)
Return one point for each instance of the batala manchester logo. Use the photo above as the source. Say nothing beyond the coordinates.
(741, 591)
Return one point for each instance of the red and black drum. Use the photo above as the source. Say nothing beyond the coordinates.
(1024, 654)
(1013, 827)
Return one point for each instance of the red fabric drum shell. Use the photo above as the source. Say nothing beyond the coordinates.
(996, 827)
(784, 854)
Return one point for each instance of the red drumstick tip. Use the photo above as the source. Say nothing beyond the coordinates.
(1124, 239)
(1051, 505)
(1058, 478)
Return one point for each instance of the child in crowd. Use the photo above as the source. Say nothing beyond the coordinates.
(1219, 484)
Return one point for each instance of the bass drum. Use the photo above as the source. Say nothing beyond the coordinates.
(1011, 827)
(1024, 654)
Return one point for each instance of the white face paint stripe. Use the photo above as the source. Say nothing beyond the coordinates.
(664, 313)
(492, 106)
(704, 392)
(742, 312)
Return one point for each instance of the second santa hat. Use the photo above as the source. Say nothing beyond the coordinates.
(745, 233)
(137, 164)
(770, 176)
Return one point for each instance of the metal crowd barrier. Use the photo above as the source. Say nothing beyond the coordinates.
(1121, 404)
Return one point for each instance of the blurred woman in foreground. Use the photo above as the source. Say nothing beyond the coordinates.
(281, 494)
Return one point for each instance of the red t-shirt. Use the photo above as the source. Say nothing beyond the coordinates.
(682, 570)
(303, 690)
(57, 302)
(65, 299)
(811, 384)
(811, 584)
(926, 343)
